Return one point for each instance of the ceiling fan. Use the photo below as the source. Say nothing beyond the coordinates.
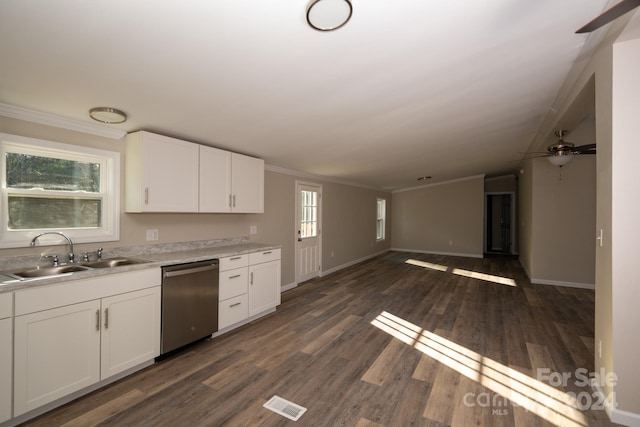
(609, 15)
(562, 152)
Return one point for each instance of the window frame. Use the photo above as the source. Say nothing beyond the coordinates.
(109, 191)
(381, 219)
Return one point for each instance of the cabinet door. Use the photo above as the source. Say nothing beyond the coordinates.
(161, 174)
(247, 181)
(130, 330)
(6, 347)
(215, 180)
(56, 352)
(264, 287)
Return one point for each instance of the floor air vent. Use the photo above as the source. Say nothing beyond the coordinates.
(285, 408)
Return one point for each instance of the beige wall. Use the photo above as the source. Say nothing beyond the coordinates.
(563, 221)
(445, 218)
(349, 213)
(348, 222)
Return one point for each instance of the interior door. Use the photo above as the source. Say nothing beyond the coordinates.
(308, 227)
(499, 211)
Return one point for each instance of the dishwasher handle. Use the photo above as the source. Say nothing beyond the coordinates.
(190, 270)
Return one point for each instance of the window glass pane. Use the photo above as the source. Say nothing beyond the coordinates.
(26, 171)
(43, 212)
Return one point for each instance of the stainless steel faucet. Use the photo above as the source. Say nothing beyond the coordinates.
(72, 257)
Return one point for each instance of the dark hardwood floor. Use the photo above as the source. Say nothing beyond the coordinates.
(382, 343)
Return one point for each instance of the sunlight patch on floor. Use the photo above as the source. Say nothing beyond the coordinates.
(486, 277)
(462, 272)
(537, 397)
(428, 265)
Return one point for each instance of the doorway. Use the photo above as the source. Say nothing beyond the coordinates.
(500, 223)
(308, 230)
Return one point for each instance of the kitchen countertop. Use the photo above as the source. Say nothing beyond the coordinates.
(156, 260)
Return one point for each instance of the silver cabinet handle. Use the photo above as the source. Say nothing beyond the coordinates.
(252, 278)
(267, 253)
(235, 258)
(229, 200)
(106, 318)
(235, 305)
(97, 320)
(234, 200)
(146, 196)
(234, 277)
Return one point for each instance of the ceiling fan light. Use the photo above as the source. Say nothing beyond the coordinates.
(560, 159)
(328, 15)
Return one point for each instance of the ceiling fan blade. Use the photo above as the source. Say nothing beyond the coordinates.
(609, 15)
(585, 149)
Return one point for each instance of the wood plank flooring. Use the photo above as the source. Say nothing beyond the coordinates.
(382, 343)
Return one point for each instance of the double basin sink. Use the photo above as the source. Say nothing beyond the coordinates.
(39, 272)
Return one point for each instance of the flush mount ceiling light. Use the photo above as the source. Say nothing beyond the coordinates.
(328, 15)
(107, 115)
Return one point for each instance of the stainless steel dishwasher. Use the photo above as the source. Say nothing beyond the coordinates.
(189, 303)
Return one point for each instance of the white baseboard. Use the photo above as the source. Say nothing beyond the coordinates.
(625, 418)
(465, 255)
(349, 264)
(556, 282)
(560, 283)
(617, 416)
(288, 287)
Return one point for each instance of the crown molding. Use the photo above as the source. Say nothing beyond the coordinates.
(285, 171)
(48, 119)
(435, 184)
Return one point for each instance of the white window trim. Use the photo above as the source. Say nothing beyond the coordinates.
(110, 190)
(383, 219)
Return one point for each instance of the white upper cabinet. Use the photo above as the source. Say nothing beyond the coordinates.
(247, 181)
(161, 174)
(215, 180)
(170, 175)
(230, 182)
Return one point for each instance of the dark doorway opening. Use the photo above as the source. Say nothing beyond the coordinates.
(499, 227)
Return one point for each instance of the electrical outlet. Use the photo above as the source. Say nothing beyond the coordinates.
(450, 242)
(152, 235)
(253, 229)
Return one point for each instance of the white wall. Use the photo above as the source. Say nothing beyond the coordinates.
(625, 230)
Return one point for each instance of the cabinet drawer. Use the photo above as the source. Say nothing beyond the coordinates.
(232, 262)
(232, 311)
(264, 256)
(6, 305)
(233, 283)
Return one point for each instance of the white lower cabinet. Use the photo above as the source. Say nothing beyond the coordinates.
(6, 355)
(130, 330)
(249, 285)
(232, 310)
(264, 286)
(57, 352)
(63, 344)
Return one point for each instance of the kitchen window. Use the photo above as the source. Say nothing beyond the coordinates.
(381, 219)
(49, 186)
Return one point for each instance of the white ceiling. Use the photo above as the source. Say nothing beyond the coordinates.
(406, 89)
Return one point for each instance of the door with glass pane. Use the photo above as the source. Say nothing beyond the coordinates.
(308, 227)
